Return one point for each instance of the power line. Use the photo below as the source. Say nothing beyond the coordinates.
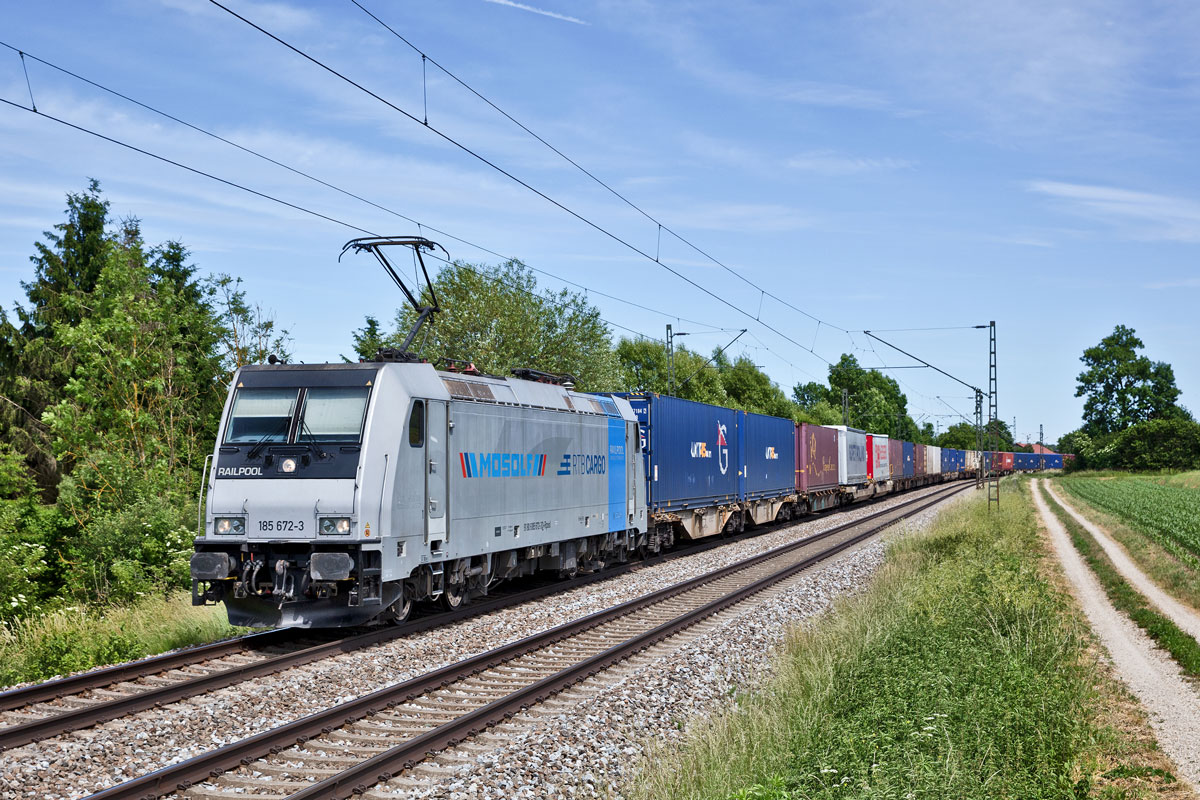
(451, 140)
(661, 227)
(923, 361)
(257, 193)
(341, 190)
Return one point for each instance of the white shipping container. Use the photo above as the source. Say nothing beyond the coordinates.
(852, 455)
(933, 460)
(973, 459)
(880, 469)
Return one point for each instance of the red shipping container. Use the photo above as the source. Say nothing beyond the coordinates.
(1006, 461)
(870, 457)
(816, 458)
(919, 459)
(896, 457)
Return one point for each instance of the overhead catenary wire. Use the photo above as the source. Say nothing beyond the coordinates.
(344, 191)
(660, 225)
(483, 159)
(255, 192)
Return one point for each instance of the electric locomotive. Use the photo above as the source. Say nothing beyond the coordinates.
(340, 494)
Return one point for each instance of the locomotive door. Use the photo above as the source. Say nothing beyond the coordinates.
(437, 470)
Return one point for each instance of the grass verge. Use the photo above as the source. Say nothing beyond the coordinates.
(1182, 647)
(962, 672)
(72, 639)
(1174, 575)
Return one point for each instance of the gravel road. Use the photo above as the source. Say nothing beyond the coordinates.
(77, 764)
(1154, 678)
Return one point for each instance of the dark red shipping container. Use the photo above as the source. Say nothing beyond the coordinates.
(816, 458)
(919, 456)
(896, 457)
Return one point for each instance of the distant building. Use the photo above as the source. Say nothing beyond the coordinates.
(1039, 449)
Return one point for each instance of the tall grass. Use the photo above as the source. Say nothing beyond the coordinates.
(959, 674)
(68, 640)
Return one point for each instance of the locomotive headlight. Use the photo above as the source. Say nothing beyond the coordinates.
(335, 525)
(287, 465)
(233, 525)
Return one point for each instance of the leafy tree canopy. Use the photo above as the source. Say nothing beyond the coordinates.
(875, 401)
(496, 318)
(1122, 387)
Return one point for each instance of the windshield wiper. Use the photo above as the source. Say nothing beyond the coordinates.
(312, 440)
(267, 437)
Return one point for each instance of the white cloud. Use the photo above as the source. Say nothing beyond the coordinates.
(543, 12)
(827, 162)
(1138, 215)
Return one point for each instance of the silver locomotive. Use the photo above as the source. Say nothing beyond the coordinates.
(341, 494)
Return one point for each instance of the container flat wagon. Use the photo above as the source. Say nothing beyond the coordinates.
(817, 466)
(767, 448)
(691, 466)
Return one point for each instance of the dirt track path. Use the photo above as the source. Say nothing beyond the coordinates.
(1170, 701)
(1182, 615)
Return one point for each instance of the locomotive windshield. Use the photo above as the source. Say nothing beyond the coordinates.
(334, 414)
(327, 414)
(261, 415)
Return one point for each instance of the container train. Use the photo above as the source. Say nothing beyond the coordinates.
(342, 494)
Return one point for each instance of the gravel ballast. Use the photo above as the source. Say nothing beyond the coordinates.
(77, 764)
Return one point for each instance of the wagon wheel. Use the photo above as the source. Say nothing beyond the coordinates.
(455, 596)
(402, 608)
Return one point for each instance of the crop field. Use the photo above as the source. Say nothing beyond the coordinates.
(1166, 509)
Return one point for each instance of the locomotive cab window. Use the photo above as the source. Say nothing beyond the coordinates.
(416, 424)
(334, 414)
(261, 415)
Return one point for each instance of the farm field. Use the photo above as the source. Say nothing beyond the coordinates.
(1164, 508)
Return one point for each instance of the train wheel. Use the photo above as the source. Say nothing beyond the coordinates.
(454, 597)
(402, 609)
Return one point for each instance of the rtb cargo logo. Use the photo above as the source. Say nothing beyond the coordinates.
(700, 449)
(582, 464)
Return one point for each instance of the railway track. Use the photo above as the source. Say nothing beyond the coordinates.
(49, 709)
(376, 738)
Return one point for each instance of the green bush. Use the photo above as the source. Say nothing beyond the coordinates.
(1158, 444)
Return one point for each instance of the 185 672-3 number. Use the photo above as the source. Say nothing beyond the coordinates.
(281, 525)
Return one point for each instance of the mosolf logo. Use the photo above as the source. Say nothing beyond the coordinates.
(502, 465)
(239, 472)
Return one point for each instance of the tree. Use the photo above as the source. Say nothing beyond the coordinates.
(248, 332)
(32, 369)
(1123, 388)
(643, 368)
(875, 401)
(495, 318)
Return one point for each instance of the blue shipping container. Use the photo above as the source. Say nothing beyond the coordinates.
(909, 467)
(1053, 461)
(953, 460)
(768, 447)
(1027, 461)
(691, 451)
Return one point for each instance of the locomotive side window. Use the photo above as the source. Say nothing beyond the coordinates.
(334, 414)
(261, 415)
(416, 424)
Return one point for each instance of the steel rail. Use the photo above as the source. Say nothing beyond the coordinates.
(75, 719)
(180, 777)
(74, 684)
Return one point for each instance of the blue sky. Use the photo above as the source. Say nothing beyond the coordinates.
(880, 165)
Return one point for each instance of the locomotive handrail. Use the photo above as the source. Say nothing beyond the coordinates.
(205, 485)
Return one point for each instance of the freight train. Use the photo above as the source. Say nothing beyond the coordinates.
(342, 494)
